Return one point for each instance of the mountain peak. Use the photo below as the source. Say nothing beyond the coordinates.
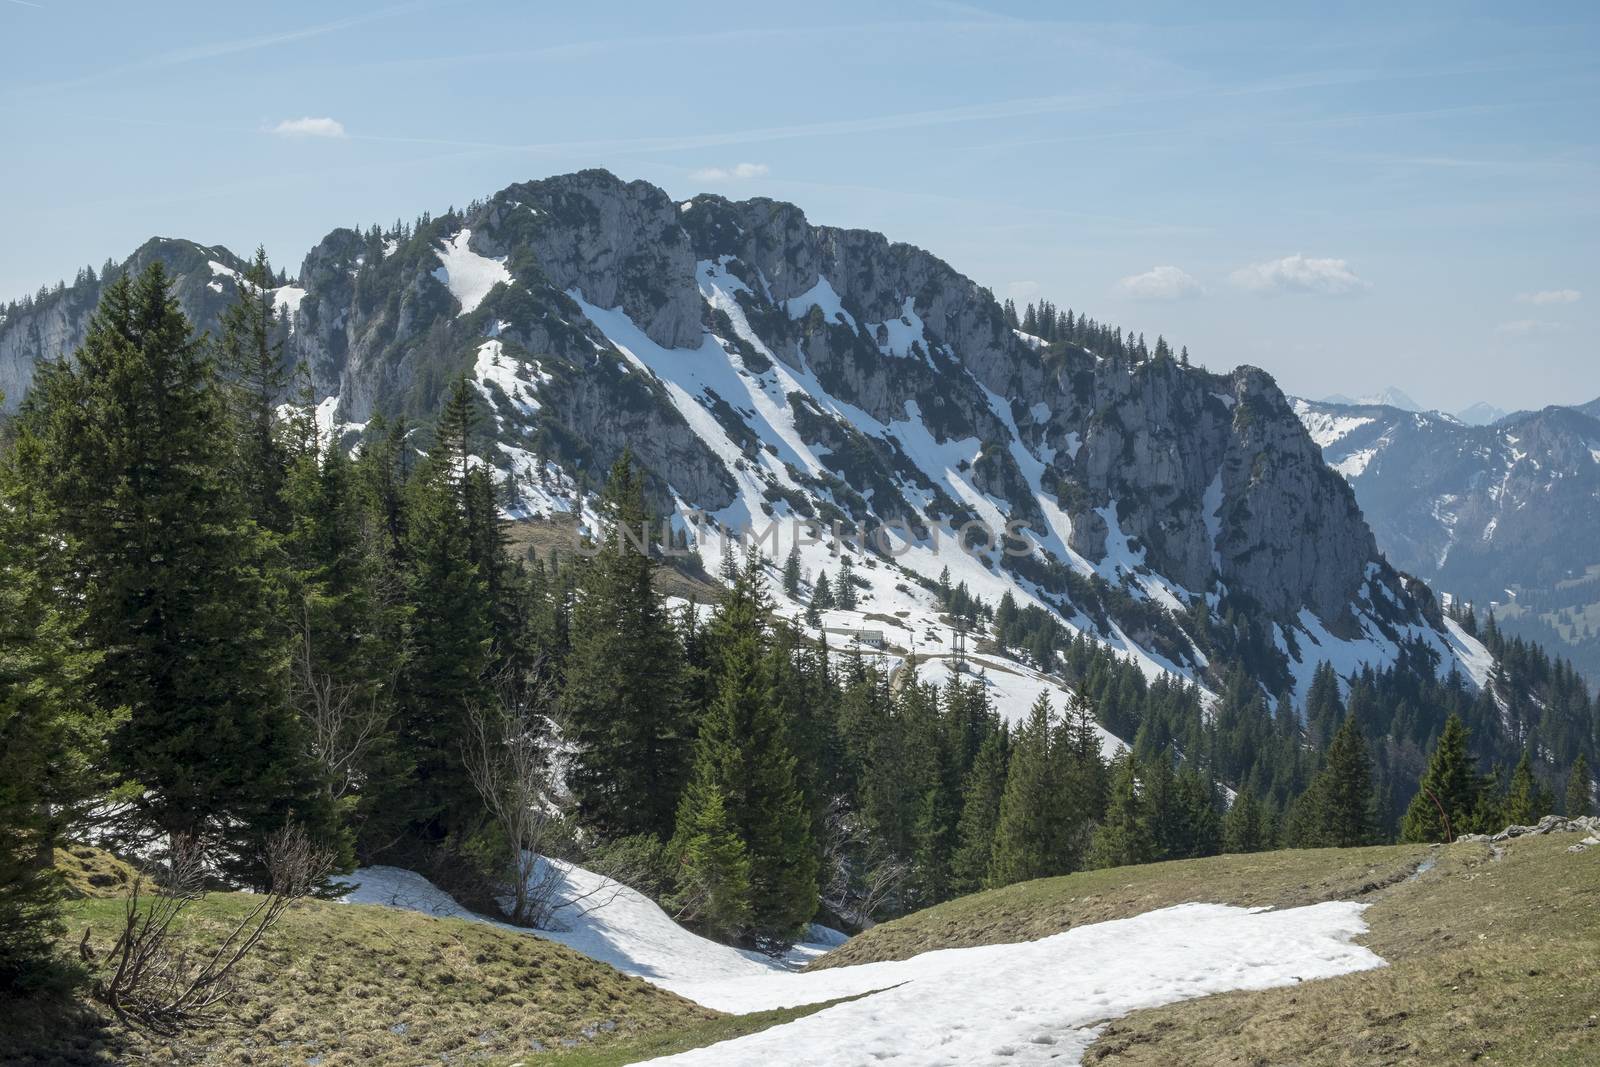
(766, 370)
(1389, 397)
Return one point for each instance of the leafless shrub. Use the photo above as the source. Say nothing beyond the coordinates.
(506, 753)
(151, 984)
(860, 873)
(343, 719)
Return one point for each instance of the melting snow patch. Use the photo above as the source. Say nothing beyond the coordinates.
(900, 334)
(286, 302)
(494, 367)
(1353, 465)
(822, 296)
(1211, 511)
(603, 919)
(1037, 1002)
(467, 275)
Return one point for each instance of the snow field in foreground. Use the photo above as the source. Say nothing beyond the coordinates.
(1034, 1002)
(1040, 1001)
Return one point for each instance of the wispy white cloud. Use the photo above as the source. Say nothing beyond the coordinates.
(1526, 327)
(1023, 290)
(1160, 283)
(310, 127)
(212, 50)
(1550, 296)
(1300, 274)
(736, 173)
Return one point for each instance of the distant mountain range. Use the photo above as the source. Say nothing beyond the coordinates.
(1479, 414)
(1387, 397)
(1505, 514)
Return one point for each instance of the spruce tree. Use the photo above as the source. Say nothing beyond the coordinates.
(624, 681)
(980, 815)
(1124, 837)
(1197, 811)
(1450, 783)
(1348, 805)
(1580, 792)
(130, 450)
(742, 752)
(713, 887)
(349, 623)
(250, 354)
(451, 638)
(791, 573)
(1522, 798)
(1324, 708)
(844, 593)
(1243, 829)
(822, 594)
(1027, 840)
(52, 743)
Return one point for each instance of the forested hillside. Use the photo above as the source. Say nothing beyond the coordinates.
(227, 620)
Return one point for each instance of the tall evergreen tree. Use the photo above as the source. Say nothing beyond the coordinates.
(1449, 783)
(130, 449)
(1580, 791)
(1027, 840)
(52, 742)
(822, 594)
(1125, 836)
(1522, 806)
(844, 592)
(742, 752)
(1339, 809)
(624, 678)
(713, 890)
(791, 573)
(1244, 830)
(250, 354)
(980, 815)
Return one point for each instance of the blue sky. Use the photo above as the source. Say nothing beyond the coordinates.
(1352, 198)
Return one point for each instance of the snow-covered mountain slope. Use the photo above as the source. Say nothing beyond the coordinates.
(766, 370)
(1442, 495)
(1035, 1002)
(1491, 513)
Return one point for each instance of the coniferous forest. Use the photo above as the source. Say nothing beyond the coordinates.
(217, 624)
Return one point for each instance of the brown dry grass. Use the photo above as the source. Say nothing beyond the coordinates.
(341, 984)
(1490, 962)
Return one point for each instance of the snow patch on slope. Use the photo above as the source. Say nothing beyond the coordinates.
(467, 275)
(1036, 1002)
(1325, 427)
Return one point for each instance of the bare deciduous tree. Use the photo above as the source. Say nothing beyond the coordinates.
(343, 719)
(150, 983)
(860, 872)
(507, 756)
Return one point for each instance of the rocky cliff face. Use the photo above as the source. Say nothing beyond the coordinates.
(53, 325)
(761, 367)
